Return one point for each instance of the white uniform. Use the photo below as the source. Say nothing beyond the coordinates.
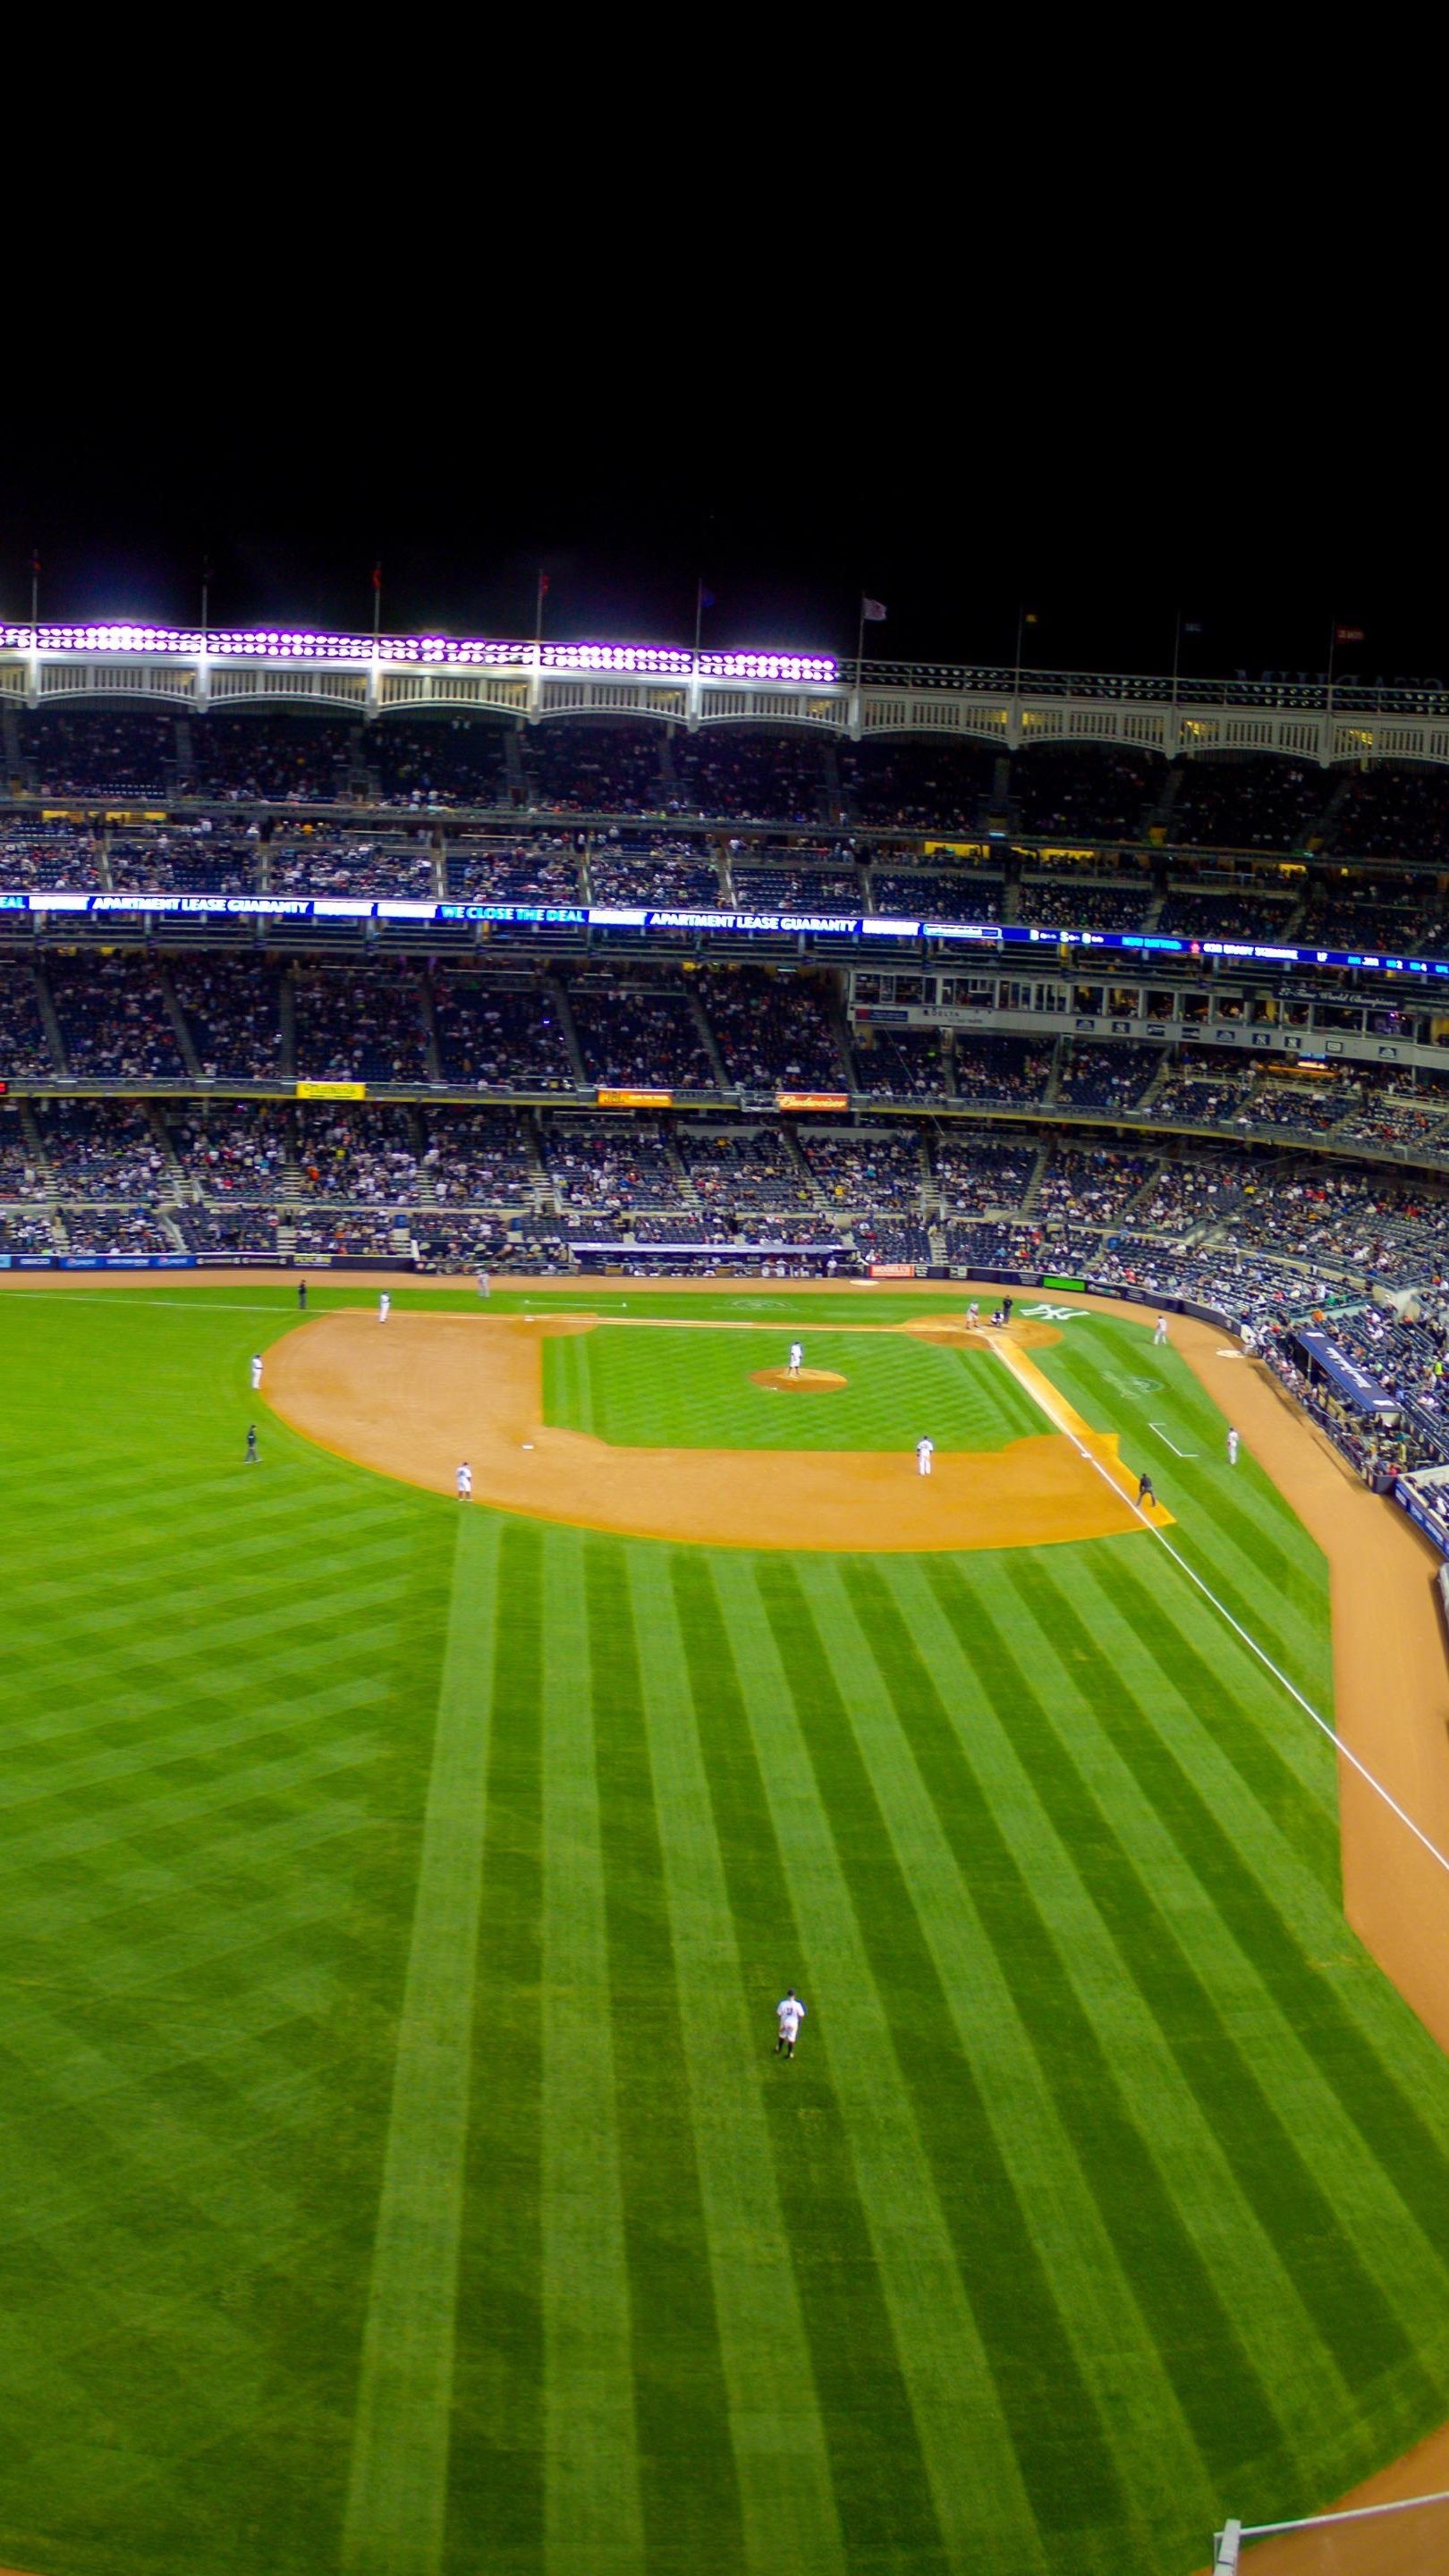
(465, 1483)
(797, 1358)
(384, 1307)
(925, 1452)
(256, 1370)
(973, 1312)
(788, 2016)
(1159, 1334)
(1232, 1448)
(482, 1277)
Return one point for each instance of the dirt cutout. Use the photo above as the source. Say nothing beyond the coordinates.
(414, 1396)
(802, 1381)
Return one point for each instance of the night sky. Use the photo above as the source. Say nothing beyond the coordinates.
(957, 472)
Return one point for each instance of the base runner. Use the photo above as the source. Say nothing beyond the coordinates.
(789, 2014)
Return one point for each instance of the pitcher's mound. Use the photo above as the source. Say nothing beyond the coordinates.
(804, 1382)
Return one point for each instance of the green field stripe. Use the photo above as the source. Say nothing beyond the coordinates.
(1055, 2424)
(985, 2516)
(1378, 2110)
(397, 2490)
(877, 2470)
(1040, 2071)
(495, 2489)
(1014, 1809)
(1162, 1906)
(680, 2399)
(592, 2508)
(786, 2503)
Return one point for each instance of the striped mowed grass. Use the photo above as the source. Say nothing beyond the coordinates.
(396, 2174)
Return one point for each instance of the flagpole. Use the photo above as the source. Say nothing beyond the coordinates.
(860, 647)
(1332, 642)
(698, 611)
(538, 610)
(376, 601)
(35, 589)
(1176, 657)
(1020, 623)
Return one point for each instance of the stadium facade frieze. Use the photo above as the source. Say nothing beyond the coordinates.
(371, 676)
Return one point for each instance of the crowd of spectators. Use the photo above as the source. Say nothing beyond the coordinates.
(773, 885)
(743, 1167)
(1107, 1077)
(109, 752)
(421, 761)
(1089, 1185)
(543, 871)
(479, 1154)
(1241, 913)
(631, 1038)
(905, 782)
(584, 767)
(976, 1170)
(233, 1014)
(274, 758)
(337, 863)
(359, 1027)
(672, 874)
(1069, 903)
(869, 1169)
(1076, 795)
(749, 776)
(183, 858)
(24, 1046)
(117, 1232)
(936, 894)
(773, 1032)
(1395, 813)
(103, 1149)
(233, 1149)
(1253, 803)
(361, 1154)
(113, 1019)
(1012, 1071)
(900, 1064)
(615, 1167)
(1370, 920)
(501, 1036)
(34, 856)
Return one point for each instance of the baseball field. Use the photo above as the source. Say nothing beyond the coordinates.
(398, 2175)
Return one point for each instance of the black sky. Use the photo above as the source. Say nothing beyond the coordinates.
(955, 461)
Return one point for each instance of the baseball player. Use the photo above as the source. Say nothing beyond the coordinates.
(482, 1279)
(1159, 1332)
(256, 1370)
(796, 1361)
(925, 1452)
(302, 1295)
(973, 1312)
(465, 1481)
(252, 1459)
(1145, 1496)
(789, 2014)
(384, 1307)
(1232, 1448)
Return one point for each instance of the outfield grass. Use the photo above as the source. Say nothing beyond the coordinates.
(693, 1388)
(395, 2172)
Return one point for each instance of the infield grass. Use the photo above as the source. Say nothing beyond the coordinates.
(394, 2172)
(676, 1386)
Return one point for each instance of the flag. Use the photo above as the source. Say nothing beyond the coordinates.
(543, 585)
(35, 563)
(377, 576)
(1348, 634)
(706, 597)
(1192, 626)
(873, 612)
(1029, 617)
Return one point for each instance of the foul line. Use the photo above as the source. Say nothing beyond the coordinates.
(1321, 1722)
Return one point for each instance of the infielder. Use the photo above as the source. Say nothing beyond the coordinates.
(465, 1481)
(482, 1279)
(797, 1360)
(788, 2016)
(925, 1452)
(1159, 1332)
(252, 1459)
(1232, 1448)
(256, 1370)
(384, 1307)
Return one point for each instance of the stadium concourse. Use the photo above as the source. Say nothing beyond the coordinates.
(570, 1017)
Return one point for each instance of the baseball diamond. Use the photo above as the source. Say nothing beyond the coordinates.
(402, 2171)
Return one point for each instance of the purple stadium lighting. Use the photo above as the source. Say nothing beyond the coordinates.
(270, 644)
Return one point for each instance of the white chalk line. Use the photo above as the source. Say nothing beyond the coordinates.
(1251, 1642)
(1172, 1444)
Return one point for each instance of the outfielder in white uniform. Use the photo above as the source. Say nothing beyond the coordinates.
(384, 1307)
(797, 1360)
(789, 2014)
(465, 1482)
(256, 1370)
(482, 1279)
(1159, 1332)
(925, 1452)
(1232, 1448)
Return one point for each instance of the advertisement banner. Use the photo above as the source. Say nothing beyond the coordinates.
(635, 1099)
(331, 1091)
(812, 1100)
(892, 1270)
